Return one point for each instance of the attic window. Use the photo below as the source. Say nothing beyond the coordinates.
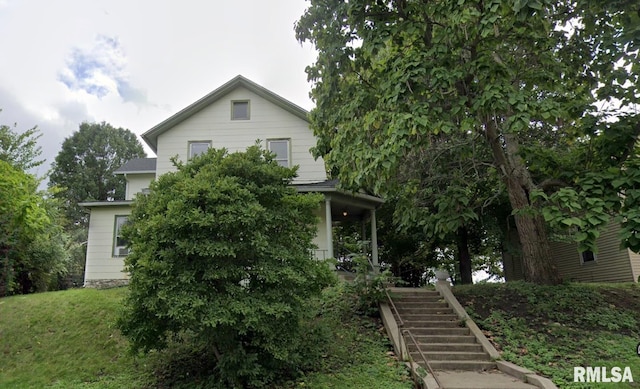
(240, 110)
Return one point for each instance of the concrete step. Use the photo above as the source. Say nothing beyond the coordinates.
(430, 317)
(490, 379)
(450, 356)
(459, 365)
(424, 304)
(438, 331)
(425, 311)
(418, 299)
(448, 339)
(449, 347)
(432, 324)
(427, 293)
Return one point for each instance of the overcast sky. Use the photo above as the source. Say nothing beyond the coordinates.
(134, 63)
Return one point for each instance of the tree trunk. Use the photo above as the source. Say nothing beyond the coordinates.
(538, 265)
(464, 257)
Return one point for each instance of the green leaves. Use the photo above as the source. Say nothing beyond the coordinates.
(542, 90)
(31, 238)
(20, 149)
(221, 249)
(83, 169)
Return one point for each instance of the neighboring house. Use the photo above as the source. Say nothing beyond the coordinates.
(610, 264)
(233, 116)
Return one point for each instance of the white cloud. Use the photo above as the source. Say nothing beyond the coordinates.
(101, 70)
(133, 64)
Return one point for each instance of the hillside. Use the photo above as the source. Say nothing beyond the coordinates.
(552, 329)
(67, 340)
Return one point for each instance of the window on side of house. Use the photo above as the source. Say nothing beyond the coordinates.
(281, 148)
(119, 243)
(587, 257)
(240, 110)
(198, 147)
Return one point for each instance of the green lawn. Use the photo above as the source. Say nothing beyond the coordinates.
(63, 338)
(68, 340)
(552, 329)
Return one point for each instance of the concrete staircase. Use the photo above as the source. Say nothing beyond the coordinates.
(432, 325)
(440, 336)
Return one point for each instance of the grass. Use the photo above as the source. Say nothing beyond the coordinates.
(359, 356)
(552, 329)
(68, 340)
(63, 339)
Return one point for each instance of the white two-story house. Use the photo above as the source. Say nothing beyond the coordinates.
(234, 116)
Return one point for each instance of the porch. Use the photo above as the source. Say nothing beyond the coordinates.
(341, 206)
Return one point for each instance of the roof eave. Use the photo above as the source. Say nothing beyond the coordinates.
(95, 204)
(326, 189)
(135, 172)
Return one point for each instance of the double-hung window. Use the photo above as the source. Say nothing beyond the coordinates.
(119, 243)
(198, 147)
(282, 150)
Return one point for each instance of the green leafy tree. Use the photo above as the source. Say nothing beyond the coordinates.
(391, 76)
(447, 190)
(221, 253)
(83, 169)
(31, 243)
(45, 263)
(20, 149)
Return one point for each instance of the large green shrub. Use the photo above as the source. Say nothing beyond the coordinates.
(221, 257)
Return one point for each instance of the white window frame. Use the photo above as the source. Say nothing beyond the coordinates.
(197, 142)
(280, 159)
(119, 250)
(233, 110)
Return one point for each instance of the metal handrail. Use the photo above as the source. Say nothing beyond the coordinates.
(424, 357)
(401, 331)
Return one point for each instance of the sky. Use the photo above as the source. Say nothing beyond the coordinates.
(135, 63)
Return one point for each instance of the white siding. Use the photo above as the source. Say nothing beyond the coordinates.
(101, 265)
(321, 241)
(612, 264)
(137, 182)
(267, 121)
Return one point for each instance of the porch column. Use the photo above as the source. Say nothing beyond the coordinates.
(363, 224)
(374, 241)
(327, 210)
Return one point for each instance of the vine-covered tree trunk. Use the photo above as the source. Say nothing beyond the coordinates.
(536, 254)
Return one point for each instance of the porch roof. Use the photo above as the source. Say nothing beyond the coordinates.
(346, 205)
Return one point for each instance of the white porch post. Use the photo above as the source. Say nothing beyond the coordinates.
(374, 241)
(363, 224)
(327, 209)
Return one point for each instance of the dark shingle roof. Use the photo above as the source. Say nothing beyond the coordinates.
(138, 165)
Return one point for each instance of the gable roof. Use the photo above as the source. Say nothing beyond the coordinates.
(151, 136)
(138, 165)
